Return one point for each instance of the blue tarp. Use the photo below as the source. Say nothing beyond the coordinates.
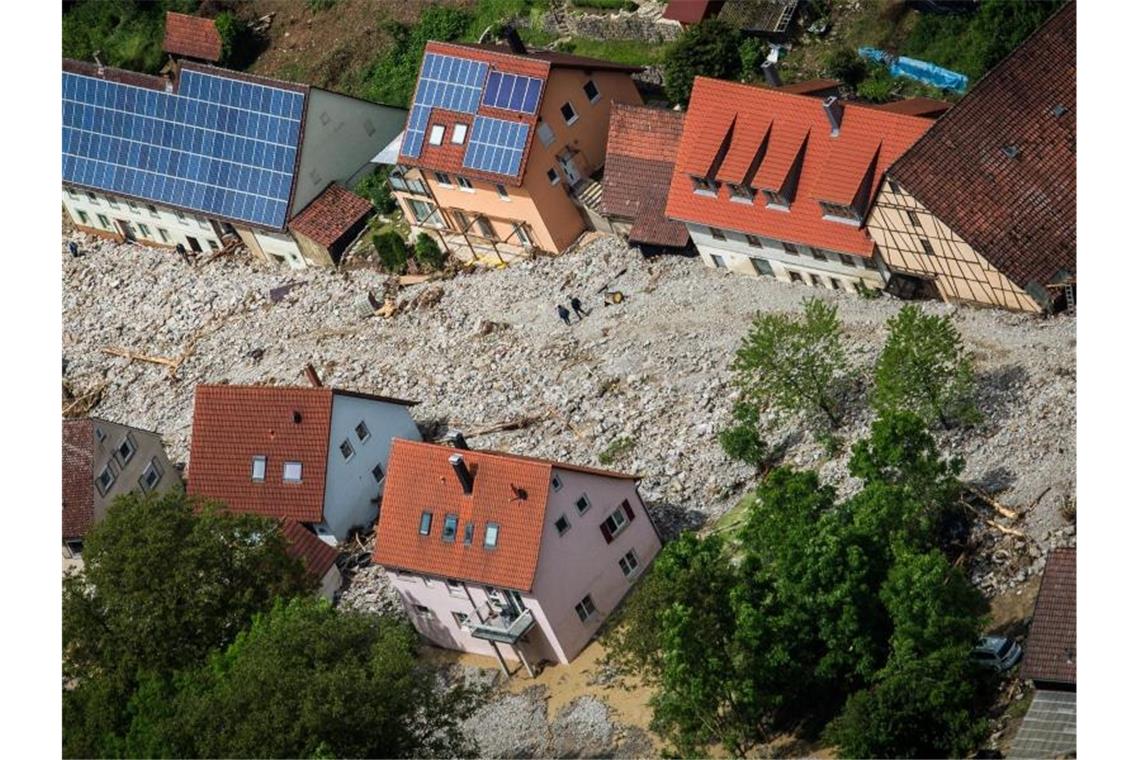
(923, 71)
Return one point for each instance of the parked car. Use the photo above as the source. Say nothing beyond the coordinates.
(997, 652)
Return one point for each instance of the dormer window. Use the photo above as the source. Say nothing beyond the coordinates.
(436, 136)
(459, 134)
(705, 186)
(775, 200)
(838, 212)
(741, 193)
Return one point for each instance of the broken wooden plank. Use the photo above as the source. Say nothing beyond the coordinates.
(137, 357)
(993, 503)
(992, 523)
(413, 279)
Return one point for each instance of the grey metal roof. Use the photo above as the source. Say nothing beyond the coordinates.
(1049, 729)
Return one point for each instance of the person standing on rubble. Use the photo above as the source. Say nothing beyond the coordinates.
(576, 305)
(564, 314)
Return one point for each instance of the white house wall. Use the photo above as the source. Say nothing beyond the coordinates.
(179, 227)
(342, 135)
(350, 489)
(279, 246)
(737, 254)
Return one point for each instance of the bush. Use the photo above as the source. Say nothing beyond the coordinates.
(127, 34)
(616, 449)
(427, 252)
(878, 86)
(392, 77)
(710, 48)
(741, 441)
(753, 52)
(375, 188)
(393, 251)
(235, 36)
(606, 5)
(845, 65)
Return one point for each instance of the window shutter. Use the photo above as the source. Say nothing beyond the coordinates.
(606, 533)
(628, 509)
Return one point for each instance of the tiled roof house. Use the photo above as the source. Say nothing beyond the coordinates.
(982, 209)
(318, 557)
(640, 152)
(314, 455)
(489, 549)
(497, 141)
(102, 460)
(774, 183)
(206, 155)
(192, 37)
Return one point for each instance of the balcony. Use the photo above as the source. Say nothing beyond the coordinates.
(502, 626)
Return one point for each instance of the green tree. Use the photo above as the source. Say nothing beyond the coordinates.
(392, 77)
(845, 64)
(302, 682)
(393, 251)
(742, 441)
(127, 33)
(709, 49)
(925, 368)
(427, 252)
(236, 39)
(931, 604)
(900, 452)
(163, 585)
(375, 188)
(795, 364)
(753, 52)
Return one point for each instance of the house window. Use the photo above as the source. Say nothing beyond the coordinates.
(614, 524)
(502, 191)
(181, 217)
(213, 243)
(104, 222)
(464, 183)
(716, 234)
(454, 587)
(523, 235)
(428, 581)
(818, 254)
(926, 246)
(291, 472)
(760, 266)
(891, 184)
(847, 260)
(134, 206)
(425, 524)
(460, 618)
(556, 483)
(753, 241)
(436, 136)
(485, 228)
(164, 235)
(870, 264)
(362, 431)
(83, 219)
(91, 197)
(775, 200)
(126, 449)
(144, 230)
(346, 450)
(443, 179)
(450, 526)
(591, 91)
(840, 212)
(628, 563)
(568, 113)
(459, 134)
(151, 475)
(816, 282)
(795, 276)
(791, 248)
(153, 211)
(741, 193)
(422, 611)
(585, 608)
(545, 133)
(491, 536)
(378, 473)
(112, 202)
(582, 504)
(718, 261)
(100, 435)
(422, 212)
(71, 192)
(704, 185)
(461, 219)
(913, 217)
(552, 176)
(257, 470)
(561, 524)
(105, 480)
(468, 533)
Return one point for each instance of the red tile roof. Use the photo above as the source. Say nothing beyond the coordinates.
(303, 544)
(509, 490)
(1019, 211)
(192, 36)
(928, 107)
(1051, 650)
(640, 152)
(733, 120)
(78, 478)
(335, 214)
(691, 11)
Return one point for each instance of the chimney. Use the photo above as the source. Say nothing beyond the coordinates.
(511, 35)
(834, 110)
(313, 377)
(98, 62)
(462, 472)
(459, 441)
(771, 73)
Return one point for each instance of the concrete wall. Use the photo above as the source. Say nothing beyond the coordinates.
(342, 134)
(350, 489)
(958, 271)
(280, 248)
(737, 254)
(148, 446)
(580, 562)
(179, 227)
(330, 584)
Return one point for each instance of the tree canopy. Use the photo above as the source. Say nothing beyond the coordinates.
(710, 49)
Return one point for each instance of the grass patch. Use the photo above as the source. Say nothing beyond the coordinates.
(629, 52)
(732, 520)
(617, 449)
(605, 5)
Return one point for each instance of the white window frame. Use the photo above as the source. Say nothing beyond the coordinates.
(464, 183)
(459, 134)
(83, 218)
(367, 432)
(134, 207)
(581, 498)
(163, 234)
(491, 535)
(523, 235)
(502, 191)
(597, 92)
(617, 521)
(586, 606)
(103, 490)
(556, 178)
(112, 202)
(92, 198)
(435, 134)
(718, 261)
(156, 468)
(573, 111)
(430, 519)
(253, 468)
(716, 233)
(285, 467)
(460, 618)
(129, 442)
(443, 179)
(454, 587)
(628, 571)
(71, 192)
(351, 451)
(562, 518)
(144, 230)
(152, 210)
(104, 222)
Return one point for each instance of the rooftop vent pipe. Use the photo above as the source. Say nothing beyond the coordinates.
(834, 109)
(771, 73)
(462, 472)
(312, 376)
(511, 35)
(458, 441)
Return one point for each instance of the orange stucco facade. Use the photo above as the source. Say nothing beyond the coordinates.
(549, 218)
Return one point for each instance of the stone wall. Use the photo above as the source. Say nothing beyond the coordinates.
(622, 25)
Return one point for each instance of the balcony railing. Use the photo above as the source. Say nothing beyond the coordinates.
(502, 626)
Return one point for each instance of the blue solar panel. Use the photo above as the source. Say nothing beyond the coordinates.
(496, 145)
(445, 82)
(512, 91)
(222, 146)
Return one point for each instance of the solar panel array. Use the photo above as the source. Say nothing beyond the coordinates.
(221, 146)
(496, 145)
(445, 82)
(512, 91)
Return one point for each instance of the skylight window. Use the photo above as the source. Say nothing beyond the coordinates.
(425, 524)
(450, 526)
(257, 471)
(291, 472)
(491, 536)
(468, 533)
